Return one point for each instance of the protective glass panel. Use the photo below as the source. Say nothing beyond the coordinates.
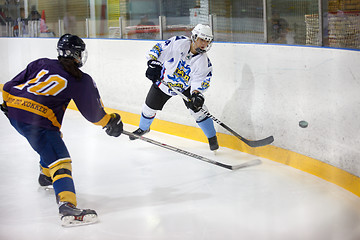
(293, 21)
(334, 23)
(238, 21)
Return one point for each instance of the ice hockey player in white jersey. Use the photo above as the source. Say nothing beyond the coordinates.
(182, 62)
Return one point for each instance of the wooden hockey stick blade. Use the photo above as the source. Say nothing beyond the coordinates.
(259, 143)
(178, 150)
(251, 143)
(247, 164)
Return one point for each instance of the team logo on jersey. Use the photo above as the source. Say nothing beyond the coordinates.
(206, 84)
(156, 50)
(181, 75)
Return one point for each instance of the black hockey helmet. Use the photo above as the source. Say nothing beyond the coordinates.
(71, 46)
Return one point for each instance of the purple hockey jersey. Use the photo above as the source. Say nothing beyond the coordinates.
(40, 94)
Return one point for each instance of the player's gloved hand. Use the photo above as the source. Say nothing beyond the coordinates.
(4, 108)
(115, 126)
(154, 70)
(197, 101)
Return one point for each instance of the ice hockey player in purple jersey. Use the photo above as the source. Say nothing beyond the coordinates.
(35, 102)
(182, 62)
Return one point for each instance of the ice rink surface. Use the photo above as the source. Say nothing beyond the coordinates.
(142, 191)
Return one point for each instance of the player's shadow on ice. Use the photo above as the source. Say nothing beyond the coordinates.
(156, 196)
(238, 111)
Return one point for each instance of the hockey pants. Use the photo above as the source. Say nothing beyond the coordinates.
(156, 100)
(54, 158)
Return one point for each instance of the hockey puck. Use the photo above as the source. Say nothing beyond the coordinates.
(303, 124)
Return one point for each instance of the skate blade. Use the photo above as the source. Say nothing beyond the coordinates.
(73, 221)
(47, 188)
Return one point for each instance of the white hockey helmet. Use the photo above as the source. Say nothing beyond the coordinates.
(204, 32)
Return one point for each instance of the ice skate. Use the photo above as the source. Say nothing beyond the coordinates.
(45, 182)
(139, 132)
(72, 216)
(213, 143)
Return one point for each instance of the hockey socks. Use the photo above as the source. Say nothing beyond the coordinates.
(144, 126)
(208, 128)
(145, 122)
(207, 125)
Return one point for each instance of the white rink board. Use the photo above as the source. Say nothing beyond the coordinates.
(258, 90)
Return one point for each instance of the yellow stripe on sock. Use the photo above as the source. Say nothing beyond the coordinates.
(57, 177)
(64, 165)
(45, 171)
(68, 197)
(59, 161)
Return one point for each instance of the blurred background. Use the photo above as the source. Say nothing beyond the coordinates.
(329, 23)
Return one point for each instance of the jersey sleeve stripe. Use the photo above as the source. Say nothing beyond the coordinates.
(103, 121)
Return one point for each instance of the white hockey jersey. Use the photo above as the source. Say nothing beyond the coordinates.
(181, 68)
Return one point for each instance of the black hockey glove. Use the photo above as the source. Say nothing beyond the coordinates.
(153, 71)
(197, 101)
(4, 108)
(115, 126)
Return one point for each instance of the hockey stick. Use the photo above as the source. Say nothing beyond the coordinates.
(246, 164)
(251, 143)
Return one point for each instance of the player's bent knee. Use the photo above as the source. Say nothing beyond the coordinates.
(148, 112)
